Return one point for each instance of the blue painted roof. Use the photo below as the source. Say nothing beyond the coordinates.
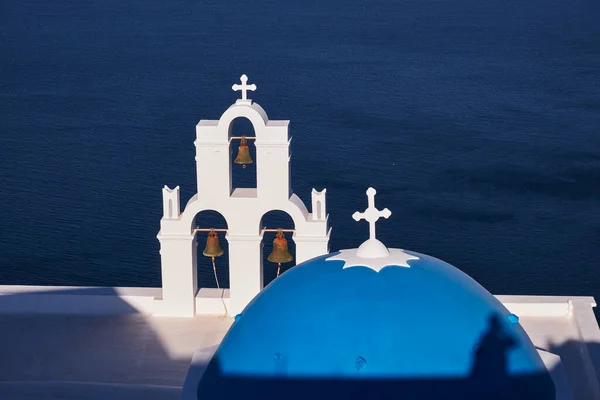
(428, 323)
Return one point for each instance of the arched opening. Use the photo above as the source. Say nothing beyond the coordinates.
(170, 208)
(210, 219)
(319, 212)
(274, 220)
(242, 175)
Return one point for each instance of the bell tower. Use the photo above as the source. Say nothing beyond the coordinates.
(242, 208)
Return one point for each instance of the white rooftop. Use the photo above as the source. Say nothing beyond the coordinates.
(100, 343)
(102, 348)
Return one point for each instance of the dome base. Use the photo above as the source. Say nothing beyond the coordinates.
(372, 248)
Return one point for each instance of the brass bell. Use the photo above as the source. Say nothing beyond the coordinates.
(280, 253)
(243, 156)
(213, 248)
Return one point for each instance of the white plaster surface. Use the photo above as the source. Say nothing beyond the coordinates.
(101, 357)
(212, 301)
(395, 258)
(557, 371)
(77, 300)
(56, 390)
(195, 372)
(541, 306)
(571, 335)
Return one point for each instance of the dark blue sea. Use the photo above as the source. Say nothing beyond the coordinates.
(477, 121)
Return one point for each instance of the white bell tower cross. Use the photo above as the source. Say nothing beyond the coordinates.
(242, 208)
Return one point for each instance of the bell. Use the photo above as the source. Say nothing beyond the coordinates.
(280, 253)
(243, 156)
(213, 248)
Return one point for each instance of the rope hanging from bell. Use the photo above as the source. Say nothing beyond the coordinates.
(280, 253)
(213, 249)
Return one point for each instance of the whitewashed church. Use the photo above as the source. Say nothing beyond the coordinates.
(367, 323)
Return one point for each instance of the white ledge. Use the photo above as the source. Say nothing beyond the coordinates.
(77, 300)
(16, 299)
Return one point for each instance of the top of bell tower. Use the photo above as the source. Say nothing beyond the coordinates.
(271, 142)
(244, 87)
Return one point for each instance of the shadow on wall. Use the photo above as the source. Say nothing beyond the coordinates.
(111, 354)
(74, 301)
(489, 379)
(584, 355)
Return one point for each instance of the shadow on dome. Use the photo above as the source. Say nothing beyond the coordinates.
(489, 379)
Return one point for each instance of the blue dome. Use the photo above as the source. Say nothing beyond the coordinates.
(325, 329)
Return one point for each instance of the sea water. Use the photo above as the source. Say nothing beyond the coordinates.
(478, 122)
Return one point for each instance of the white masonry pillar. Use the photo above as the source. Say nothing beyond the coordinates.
(308, 247)
(180, 280)
(245, 270)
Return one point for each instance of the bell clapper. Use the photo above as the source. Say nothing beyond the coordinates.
(278, 268)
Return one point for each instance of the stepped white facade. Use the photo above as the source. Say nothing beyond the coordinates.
(242, 208)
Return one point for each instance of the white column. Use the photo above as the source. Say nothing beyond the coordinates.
(273, 170)
(245, 270)
(308, 247)
(179, 276)
(213, 169)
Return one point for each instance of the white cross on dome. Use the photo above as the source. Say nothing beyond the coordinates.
(372, 253)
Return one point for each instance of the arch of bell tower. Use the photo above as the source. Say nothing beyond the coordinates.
(213, 153)
(243, 209)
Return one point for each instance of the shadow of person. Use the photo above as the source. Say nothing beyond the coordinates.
(490, 356)
(490, 376)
